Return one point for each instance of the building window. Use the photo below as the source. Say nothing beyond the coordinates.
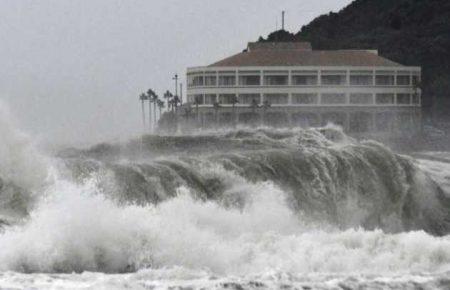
(384, 99)
(210, 81)
(403, 99)
(276, 80)
(333, 99)
(247, 99)
(361, 80)
(403, 80)
(384, 80)
(227, 81)
(210, 99)
(195, 80)
(199, 98)
(250, 80)
(334, 78)
(192, 98)
(277, 98)
(361, 99)
(227, 99)
(304, 80)
(304, 99)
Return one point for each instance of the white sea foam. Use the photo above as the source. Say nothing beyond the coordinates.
(77, 229)
(187, 242)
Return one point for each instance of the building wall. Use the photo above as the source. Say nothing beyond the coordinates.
(347, 94)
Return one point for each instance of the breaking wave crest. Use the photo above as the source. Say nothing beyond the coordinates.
(240, 203)
(325, 175)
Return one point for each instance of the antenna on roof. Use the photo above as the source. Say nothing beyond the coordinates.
(282, 20)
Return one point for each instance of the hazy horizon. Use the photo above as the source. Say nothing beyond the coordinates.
(72, 70)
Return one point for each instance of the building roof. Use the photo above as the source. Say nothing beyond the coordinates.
(301, 54)
(279, 45)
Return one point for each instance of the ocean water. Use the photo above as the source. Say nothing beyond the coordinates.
(238, 209)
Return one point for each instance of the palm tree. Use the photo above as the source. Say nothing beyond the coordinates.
(216, 107)
(266, 105)
(150, 94)
(154, 100)
(168, 96)
(175, 101)
(143, 98)
(234, 100)
(197, 102)
(160, 104)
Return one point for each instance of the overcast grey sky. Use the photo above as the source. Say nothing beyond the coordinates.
(72, 70)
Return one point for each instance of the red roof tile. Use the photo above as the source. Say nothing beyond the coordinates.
(270, 54)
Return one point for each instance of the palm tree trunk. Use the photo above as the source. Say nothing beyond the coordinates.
(154, 113)
(143, 113)
(150, 115)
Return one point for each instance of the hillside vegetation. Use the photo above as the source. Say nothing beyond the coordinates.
(411, 32)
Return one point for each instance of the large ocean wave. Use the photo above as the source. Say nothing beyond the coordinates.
(236, 203)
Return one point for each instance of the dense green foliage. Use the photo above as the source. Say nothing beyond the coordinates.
(411, 32)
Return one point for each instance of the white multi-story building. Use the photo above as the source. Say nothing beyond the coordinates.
(357, 89)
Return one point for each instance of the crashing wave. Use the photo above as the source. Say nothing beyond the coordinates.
(233, 202)
(327, 176)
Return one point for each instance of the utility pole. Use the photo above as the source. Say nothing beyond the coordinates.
(282, 20)
(181, 93)
(175, 78)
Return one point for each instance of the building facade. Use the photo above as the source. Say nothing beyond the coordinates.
(290, 85)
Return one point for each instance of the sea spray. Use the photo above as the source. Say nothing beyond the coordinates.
(343, 182)
(258, 208)
(20, 162)
(24, 171)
